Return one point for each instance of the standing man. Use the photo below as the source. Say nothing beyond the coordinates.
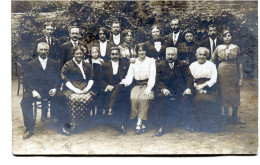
(115, 36)
(54, 43)
(67, 47)
(176, 37)
(173, 83)
(212, 41)
(41, 80)
(112, 72)
(103, 43)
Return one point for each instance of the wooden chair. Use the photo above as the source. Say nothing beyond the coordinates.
(42, 104)
(20, 74)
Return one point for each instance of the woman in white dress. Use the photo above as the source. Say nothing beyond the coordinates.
(206, 101)
(143, 71)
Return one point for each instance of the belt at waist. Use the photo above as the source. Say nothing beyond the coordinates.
(141, 82)
(201, 80)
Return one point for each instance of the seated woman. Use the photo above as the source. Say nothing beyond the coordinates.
(77, 77)
(187, 49)
(127, 49)
(143, 71)
(206, 101)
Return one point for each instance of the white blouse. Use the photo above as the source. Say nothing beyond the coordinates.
(206, 70)
(141, 70)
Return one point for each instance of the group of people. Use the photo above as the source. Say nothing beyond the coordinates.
(176, 78)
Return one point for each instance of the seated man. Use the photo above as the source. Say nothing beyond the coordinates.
(41, 80)
(173, 82)
(112, 72)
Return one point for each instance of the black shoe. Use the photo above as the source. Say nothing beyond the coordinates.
(138, 131)
(122, 130)
(144, 129)
(236, 120)
(27, 134)
(160, 132)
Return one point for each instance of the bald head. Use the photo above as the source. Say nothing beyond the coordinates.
(171, 54)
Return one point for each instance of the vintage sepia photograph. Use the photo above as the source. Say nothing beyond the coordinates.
(134, 78)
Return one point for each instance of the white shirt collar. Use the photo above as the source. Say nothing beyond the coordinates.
(116, 39)
(115, 67)
(96, 61)
(43, 62)
(73, 42)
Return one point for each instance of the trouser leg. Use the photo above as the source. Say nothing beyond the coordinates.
(27, 110)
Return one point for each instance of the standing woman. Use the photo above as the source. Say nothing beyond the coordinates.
(77, 77)
(187, 49)
(127, 49)
(143, 71)
(156, 46)
(230, 75)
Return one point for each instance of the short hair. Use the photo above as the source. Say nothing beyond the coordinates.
(171, 48)
(104, 30)
(225, 32)
(188, 30)
(155, 26)
(47, 24)
(43, 43)
(115, 48)
(177, 18)
(203, 49)
(141, 45)
(125, 32)
(72, 27)
(115, 21)
(78, 48)
(212, 26)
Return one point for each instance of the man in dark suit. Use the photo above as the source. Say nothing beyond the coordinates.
(54, 43)
(173, 84)
(41, 80)
(67, 47)
(112, 72)
(176, 37)
(156, 46)
(115, 36)
(103, 43)
(212, 41)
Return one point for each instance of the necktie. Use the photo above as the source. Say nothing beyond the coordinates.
(75, 44)
(49, 40)
(214, 46)
(174, 38)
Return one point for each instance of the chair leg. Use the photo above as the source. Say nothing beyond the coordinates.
(18, 86)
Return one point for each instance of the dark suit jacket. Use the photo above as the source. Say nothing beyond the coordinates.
(54, 51)
(107, 72)
(111, 39)
(66, 51)
(169, 42)
(152, 52)
(109, 45)
(35, 78)
(176, 80)
(206, 43)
